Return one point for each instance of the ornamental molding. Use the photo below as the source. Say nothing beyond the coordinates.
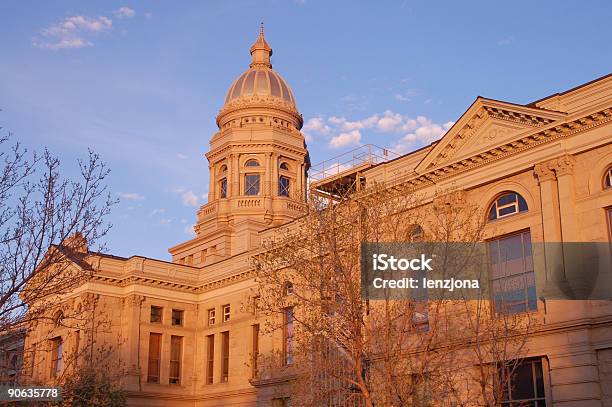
(527, 142)
(223, 151)
(262, 102)
(151, 281)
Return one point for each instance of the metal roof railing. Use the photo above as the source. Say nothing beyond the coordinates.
(360, 156)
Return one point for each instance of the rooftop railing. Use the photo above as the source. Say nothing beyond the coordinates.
(368, 154)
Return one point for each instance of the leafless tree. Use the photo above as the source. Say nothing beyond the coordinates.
(48, 222)
(347, 350)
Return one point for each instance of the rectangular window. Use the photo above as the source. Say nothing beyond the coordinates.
(176, 352)
(211, 317)
(156, 314)
(210, 358)
(177, 317)
(523, 384)
(226, 312)
(154, 357)
(283, 186)
(223, 188)
(251, 184)
(512, 276)
(255, 347)
(224, 356)
(288, 336)
(57, 349)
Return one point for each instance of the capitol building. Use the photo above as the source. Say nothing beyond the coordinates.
(182, 332)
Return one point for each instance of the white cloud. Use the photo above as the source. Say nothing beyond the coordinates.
(148, 15)
(130, 196)
(505, 41)
(124, 12)
(412, 131)
(346, 139)
(73, 32)
(189, 230)
(189, 198)
(425, 133)
(181, 156)
(157, 212)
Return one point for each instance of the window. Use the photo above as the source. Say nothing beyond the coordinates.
(210, 358)
(58, 318)
(608, 179)
(288, 336)
(283, 186)
(512, 276)
(176, 350)
(77, 345)
(251, 184)
(223, 188)
(609, 213)
(190, 260)
(156, 314)
(211, 317)
(287, 288)
(415, 234)
(251, 163)
(226, 312)
(223, 169)
(177, 317)
(57, 349)
(255, 346)
(154, 357)
(224, 356)
(507, 204)
(284, 166)
(523, 384)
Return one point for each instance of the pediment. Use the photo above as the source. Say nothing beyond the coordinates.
(487, 124)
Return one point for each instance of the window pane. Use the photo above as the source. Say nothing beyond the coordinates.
(251, 182)
(156, 314)
(177, 317)
(210, 358)
(283, 186)
(154, 355)
(507, 210)
(223, 188)
(506, 199)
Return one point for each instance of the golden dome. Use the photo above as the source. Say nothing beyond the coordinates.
(262, 81)
(259, 87)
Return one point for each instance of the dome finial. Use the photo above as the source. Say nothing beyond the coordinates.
(261, 50)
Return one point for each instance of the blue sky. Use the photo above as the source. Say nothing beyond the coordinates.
(141, 82)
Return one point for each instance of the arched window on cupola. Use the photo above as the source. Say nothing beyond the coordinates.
(507, 204)
(251, 163)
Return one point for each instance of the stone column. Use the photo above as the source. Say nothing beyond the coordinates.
(555, 272)
(132, 307)
(234, 175)
(564, 170)
(212, 188)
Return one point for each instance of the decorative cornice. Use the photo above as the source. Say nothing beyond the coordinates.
(527, 142)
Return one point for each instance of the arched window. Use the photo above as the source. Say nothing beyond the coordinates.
(507, 204)
(283, 186)
(251, 163)
(416, 233)
(58, 318)
(287, 288)
(608, 179)
(223, 169)
(284, 166)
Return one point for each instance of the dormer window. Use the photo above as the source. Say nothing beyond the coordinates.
(507, 204)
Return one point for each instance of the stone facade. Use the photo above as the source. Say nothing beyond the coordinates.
(555, 153)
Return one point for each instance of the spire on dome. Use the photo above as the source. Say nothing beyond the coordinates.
(261, 50)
